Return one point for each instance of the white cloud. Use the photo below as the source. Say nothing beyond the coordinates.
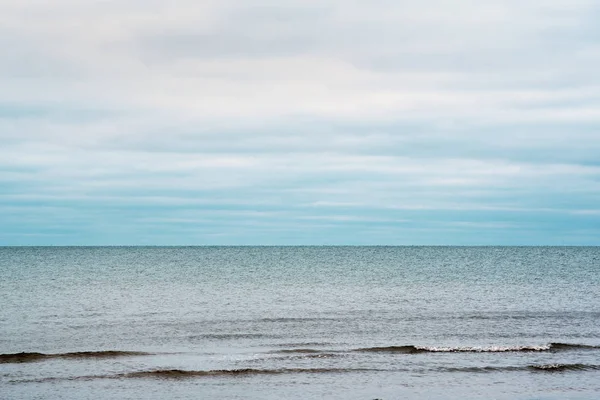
(333, 59)
(414, 106)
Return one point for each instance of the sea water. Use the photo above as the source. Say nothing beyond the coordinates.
(300, 322)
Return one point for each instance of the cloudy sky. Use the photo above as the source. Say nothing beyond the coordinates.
(299, 122)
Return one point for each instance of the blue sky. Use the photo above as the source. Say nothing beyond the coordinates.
(300, 122)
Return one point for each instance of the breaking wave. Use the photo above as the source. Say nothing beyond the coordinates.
(410, 349)
(26, 357)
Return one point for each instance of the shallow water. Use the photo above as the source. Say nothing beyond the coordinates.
(300, 322)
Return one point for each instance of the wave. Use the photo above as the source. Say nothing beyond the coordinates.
(410, 349)
(394, 349)
(572, 346)
(485, 369)
(317, 355)
(298, 319)
(178, 374)
(564, 367)
(531, 368)
(34, 357)
(294, 351)
(26, 357)
(233, 336)
(301, 344)
(175, 374)
(302, 354)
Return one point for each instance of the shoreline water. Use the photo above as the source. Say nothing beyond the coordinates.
(300, 322)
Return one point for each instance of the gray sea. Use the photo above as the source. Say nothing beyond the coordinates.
(300, 323)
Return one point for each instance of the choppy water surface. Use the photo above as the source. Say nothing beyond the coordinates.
(300, 322)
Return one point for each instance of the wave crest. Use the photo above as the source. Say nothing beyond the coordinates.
(410, 349)
(564, 367)
(394, 349)
(531, 368)
(26, 357)
(297, 351)
(179, 374)
(176, 374)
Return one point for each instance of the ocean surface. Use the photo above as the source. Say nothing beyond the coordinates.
(300, 323)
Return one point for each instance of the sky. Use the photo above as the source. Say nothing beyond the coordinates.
(288, 122)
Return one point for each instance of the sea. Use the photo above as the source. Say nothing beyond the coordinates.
(300, 323)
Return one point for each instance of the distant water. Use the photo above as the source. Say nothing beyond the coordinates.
(300, 323)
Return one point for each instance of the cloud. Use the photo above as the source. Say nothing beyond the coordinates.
(299, 122)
